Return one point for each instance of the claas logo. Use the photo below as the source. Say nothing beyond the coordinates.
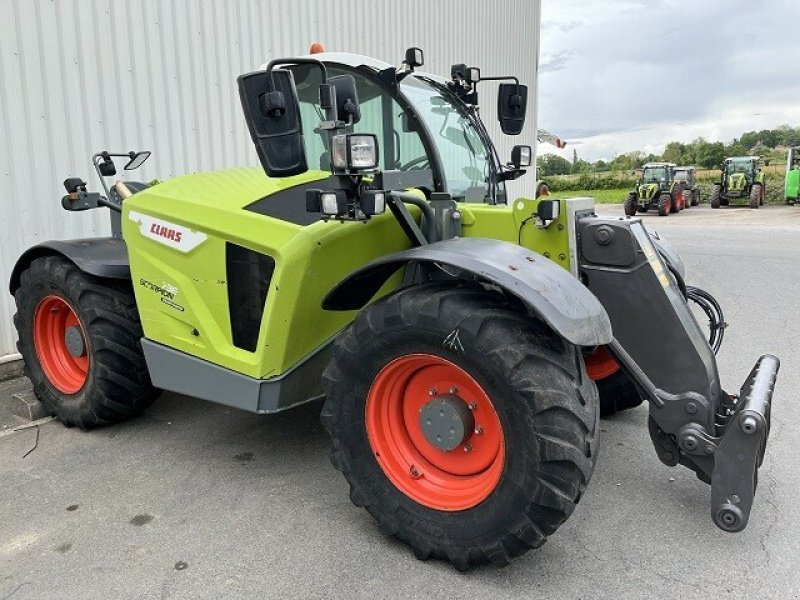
(166, 232)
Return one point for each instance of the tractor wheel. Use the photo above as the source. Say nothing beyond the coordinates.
(687, 198)
(630, 205)
(755, 195)
(664, 204)
(677, 201)
(716, 196)
(465, 427)
(615, 389)
(695, 197)
(80, 338)
(763, 193)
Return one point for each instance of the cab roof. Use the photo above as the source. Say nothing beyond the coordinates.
(658, 164)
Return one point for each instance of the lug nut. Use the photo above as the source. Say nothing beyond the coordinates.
(472, 406)
(467, 447)
(691, 408)
(414, 473)
(478, 430)
(453, 390)
(433, 391)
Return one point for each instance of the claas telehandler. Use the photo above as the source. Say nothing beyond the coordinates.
(458, 335)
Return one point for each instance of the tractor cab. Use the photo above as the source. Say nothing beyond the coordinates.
(688, 176)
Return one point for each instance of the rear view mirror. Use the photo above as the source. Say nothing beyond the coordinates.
(512, 100)
(137, 160)
(521, 156)
(347, 106)
(272, 111)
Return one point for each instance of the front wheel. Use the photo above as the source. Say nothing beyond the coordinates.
(716, 196)
(755, 195)
(465, 427)
(630, 205)
(664, 204)
(687, 198)
(695, 197)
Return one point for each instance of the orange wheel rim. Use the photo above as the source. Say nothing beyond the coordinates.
(600, 364)
(449, 480)
(67, 371)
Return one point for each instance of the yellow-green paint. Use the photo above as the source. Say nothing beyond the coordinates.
(309, 261)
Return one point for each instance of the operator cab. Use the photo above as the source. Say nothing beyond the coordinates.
(425, 131)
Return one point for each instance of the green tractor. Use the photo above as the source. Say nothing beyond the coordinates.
(792, 183)
(458, 336)
(741, 177)
(658, 189)
(688, 176)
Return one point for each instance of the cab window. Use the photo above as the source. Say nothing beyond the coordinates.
(399, 147)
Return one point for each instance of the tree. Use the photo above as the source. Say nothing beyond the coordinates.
(709, 155)
(552, 164)
(600, 166)
(675, 152)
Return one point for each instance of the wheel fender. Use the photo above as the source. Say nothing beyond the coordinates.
(549, 291)
(102, 257)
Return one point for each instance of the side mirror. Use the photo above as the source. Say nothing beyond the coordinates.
(272, 112)
(347, 106)
(137, 160)
(512, 100)
(521, 156)
(414, 58)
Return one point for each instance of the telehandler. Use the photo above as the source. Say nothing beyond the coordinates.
(456, 333)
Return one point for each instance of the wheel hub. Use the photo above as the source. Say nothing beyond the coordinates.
(73, 338)
(446, 422)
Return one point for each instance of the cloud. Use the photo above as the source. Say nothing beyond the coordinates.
(635, 75)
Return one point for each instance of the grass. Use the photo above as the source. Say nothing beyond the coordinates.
(616, 196)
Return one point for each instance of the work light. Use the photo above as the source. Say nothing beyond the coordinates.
(354, 151)
(373, 202)
(333, 203)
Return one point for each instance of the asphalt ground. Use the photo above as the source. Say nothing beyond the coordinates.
(196, 500)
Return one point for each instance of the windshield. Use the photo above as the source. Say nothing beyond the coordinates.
(465, 158)
(682, 175)
(746, 167)
(654, 175)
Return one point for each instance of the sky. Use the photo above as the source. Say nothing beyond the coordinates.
(623, 75)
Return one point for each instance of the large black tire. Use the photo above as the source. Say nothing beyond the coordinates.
(630, 205)
(695, 197)
(755, 195)
(687, 199)
(664, 204)
(677, 200)
(716, 195)
(117, 385)
(617, 393)
(546, 404)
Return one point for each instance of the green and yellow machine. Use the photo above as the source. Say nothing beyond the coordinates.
(659, 189)
(458, 335)
(792, 181)
(740, 177)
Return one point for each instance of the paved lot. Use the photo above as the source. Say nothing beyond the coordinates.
(195, 500)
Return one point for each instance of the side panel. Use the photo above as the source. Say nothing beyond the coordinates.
(178, 233)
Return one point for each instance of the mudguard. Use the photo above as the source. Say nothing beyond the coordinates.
(549, 291)
(102, 257)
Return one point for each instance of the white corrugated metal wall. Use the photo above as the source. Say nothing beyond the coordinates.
(78, 76)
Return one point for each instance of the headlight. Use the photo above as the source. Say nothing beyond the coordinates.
(354, 151)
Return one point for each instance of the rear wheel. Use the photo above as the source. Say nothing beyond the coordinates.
(755, 195)
(80, 338)
(466, 428)
(687, 198)
(664, 204)
(716, 195)
(695, 197)
(630, 205)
